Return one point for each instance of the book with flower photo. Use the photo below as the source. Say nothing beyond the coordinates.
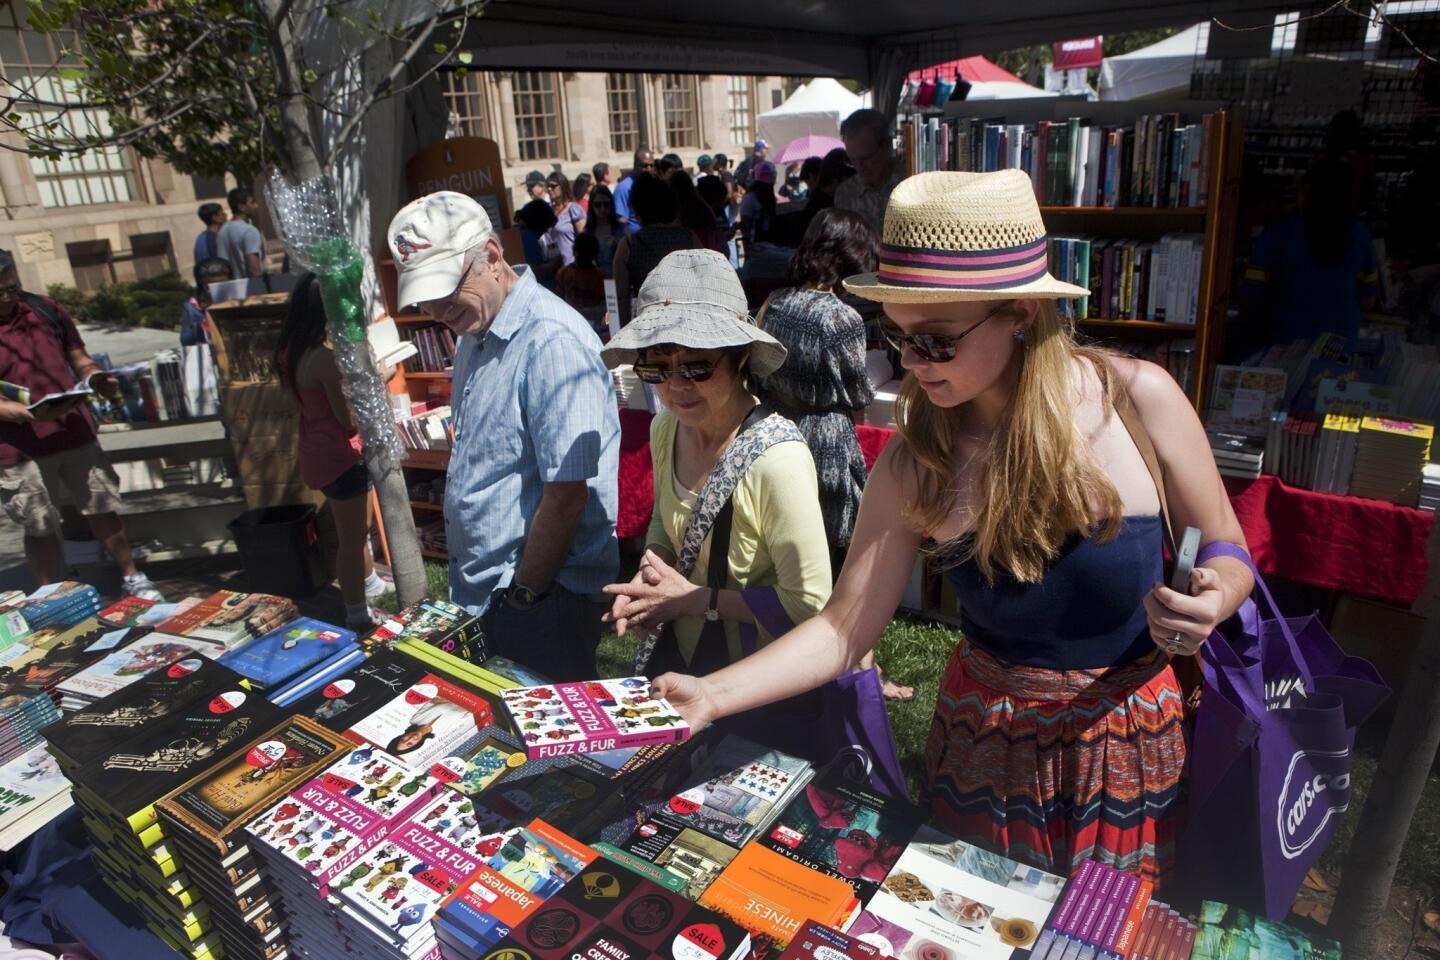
(947, 900)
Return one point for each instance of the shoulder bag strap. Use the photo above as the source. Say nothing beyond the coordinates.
(760, 431)
(1130, 417)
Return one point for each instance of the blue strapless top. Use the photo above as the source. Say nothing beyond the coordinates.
(1086, 613)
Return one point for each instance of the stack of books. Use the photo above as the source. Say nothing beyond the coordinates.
(1159, 161)
(430, 851)
(532, 865)
(139, 655)
(231, 618)
(733, 795)
(609, 912)
(58, 604)
(1389, 459)
(439, 624)
(278, 656)
(318, 676)
(33, 791)
(1237, 454)
(1430, 487)
(1335, 458)
(204, 821)
(1103, 910)
(434, 349)
(945, 897)
(312, 844)
(117, 790)
(597, 715)
(1228, 933)
(27, 711)
(48, 658)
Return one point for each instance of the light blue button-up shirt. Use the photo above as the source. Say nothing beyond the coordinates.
(532, 404)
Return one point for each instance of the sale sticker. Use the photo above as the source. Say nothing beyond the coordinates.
(448, 769)
(227, 701)
(421, 693)
(338, 688)
(182, 668)
(264, 754)
(688, 802)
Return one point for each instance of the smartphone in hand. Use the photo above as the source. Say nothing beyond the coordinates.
(1185, 553)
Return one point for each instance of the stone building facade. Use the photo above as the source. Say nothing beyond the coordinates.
(548, 120)
(112, 215)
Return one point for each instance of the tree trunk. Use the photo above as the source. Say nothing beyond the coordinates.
(406, 561)
(1395, 793)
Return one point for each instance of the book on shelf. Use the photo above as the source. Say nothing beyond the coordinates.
(432, 429)
(1153, 280)
(1243, 398)
(1157, 160)
(953, 897)
(567, 718)
(434, 349)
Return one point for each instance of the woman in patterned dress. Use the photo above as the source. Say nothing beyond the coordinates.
(1057, 733)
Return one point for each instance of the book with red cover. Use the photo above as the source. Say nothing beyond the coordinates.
(815, 941)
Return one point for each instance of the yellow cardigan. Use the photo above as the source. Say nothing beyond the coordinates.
(777, 537)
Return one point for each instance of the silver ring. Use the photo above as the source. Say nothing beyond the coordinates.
(1175, 640)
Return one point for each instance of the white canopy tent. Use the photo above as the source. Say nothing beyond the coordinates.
(815, 107)
(1006, 90)
(1159, 70)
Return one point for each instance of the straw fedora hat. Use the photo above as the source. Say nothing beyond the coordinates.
(962, 236)
(694, 299)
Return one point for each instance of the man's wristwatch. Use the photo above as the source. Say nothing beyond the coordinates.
(713, 613)
(522, 597)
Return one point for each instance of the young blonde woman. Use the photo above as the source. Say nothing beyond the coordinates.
(1057, 733)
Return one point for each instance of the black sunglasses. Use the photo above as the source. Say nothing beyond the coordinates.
(930, 347)
(697, 372)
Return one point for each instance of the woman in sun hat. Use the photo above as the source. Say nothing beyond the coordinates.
(716, 452)
(1057, 731)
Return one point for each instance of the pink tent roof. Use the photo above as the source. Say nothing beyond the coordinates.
(975, 69)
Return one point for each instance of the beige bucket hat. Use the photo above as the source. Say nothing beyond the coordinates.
(962, 236)
(694, 299)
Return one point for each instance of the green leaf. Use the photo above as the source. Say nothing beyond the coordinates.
(465, 57)
(14, 117)
(461, 73)
(309, 76)
(440, 48)
(458, 24)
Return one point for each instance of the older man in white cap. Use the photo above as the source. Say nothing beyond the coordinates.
(530, 498)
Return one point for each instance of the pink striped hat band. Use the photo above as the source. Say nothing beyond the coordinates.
(963, 269)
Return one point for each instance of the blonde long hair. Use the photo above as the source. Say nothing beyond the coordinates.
(1039, 483)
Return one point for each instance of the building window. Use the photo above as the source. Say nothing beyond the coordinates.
(465, 105)
(740, 92)
(102, 175)
(622, 103)
(682, 127)
(537, 115)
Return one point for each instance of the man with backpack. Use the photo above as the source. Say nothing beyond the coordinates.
(54, 446)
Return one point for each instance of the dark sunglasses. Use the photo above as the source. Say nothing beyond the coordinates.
(697, 372)
(930, 347)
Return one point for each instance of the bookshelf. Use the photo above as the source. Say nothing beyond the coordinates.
(1209, 225)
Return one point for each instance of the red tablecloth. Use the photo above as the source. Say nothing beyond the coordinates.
(1363, 547)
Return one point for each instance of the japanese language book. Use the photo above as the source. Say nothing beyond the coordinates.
(771, 896)
(608, 912)
(845, 831)
(945, 899)
(280, 654)
(126, 664)
(531, 866)
(566, 718)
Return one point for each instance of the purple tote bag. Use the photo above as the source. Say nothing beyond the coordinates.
(1270, 753)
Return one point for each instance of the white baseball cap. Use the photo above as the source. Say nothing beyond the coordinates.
(428, 239)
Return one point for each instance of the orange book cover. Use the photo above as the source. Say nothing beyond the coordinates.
(771, 895)
(1125, 940)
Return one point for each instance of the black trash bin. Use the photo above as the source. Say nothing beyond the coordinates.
(280, 549)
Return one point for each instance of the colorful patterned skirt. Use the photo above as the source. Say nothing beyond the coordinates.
(1055, 767)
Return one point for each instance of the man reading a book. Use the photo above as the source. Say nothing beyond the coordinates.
(51, 449)
(530, 497)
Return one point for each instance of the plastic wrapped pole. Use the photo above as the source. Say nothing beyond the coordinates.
(308, 217)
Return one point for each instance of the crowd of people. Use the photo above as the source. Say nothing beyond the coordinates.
(773, 563)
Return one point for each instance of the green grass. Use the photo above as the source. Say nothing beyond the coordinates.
(914, 651)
